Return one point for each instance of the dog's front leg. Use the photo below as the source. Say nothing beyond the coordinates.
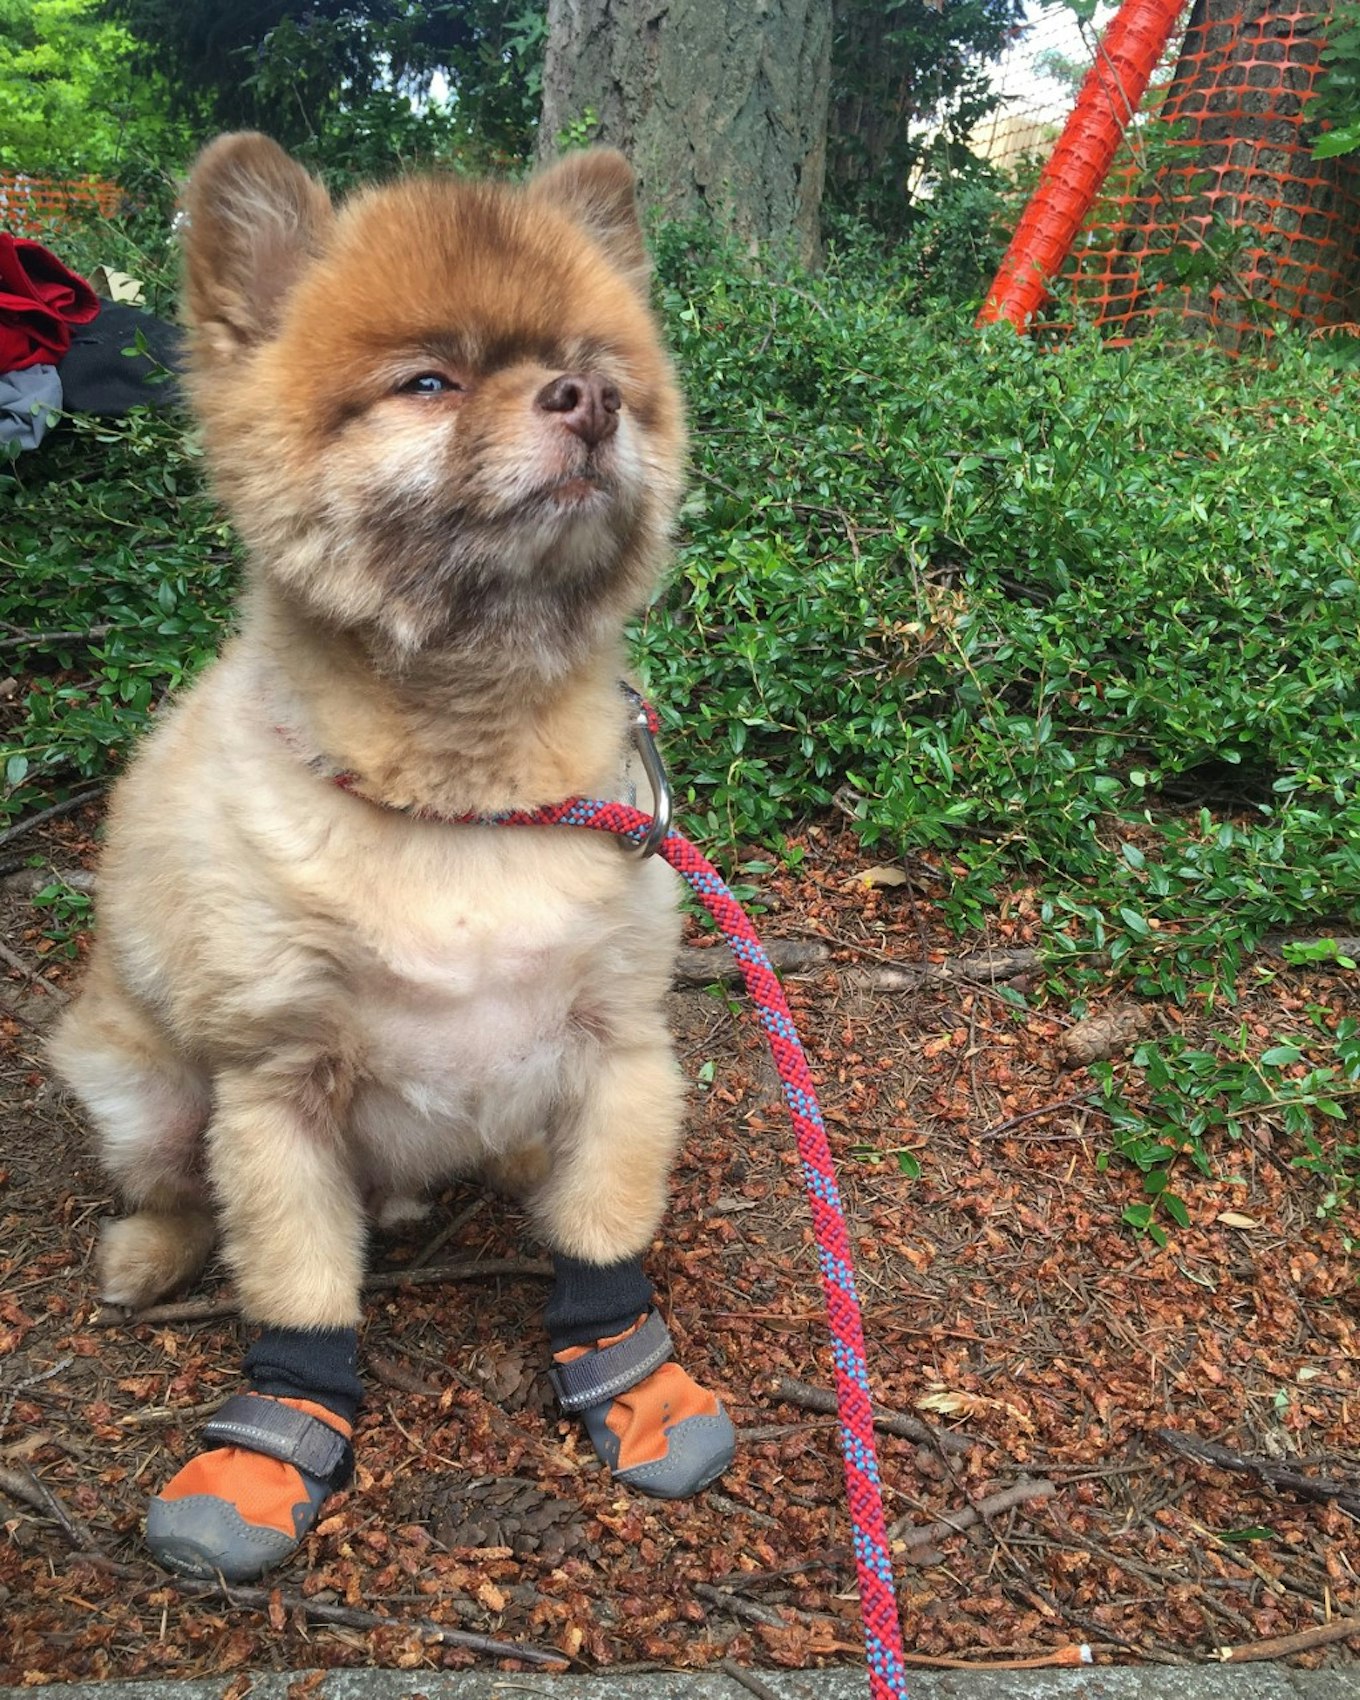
(600, 1206)
(291, 1213)
(293, 1237)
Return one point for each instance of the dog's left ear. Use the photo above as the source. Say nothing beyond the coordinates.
(255, 220)
(598, 188)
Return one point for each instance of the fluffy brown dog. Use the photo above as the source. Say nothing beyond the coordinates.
(442, 420)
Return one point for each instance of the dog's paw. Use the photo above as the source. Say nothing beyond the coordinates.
(236, 1512)
(143, 1257)
(395, 1213)
(661, 1433)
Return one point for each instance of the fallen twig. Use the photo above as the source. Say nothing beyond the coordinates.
(1318, 1488)
(1033, 1115)
(748, 1680)
(823, 1400)
(717, 966)
(68, 806)
(22, 1488)
(9, 957)
(740, 1607)
(392, 1280)
(21, 638)
(1074, 1653)
(781, 1431)
(349, 1617)
(27, 1489)
(1283, 1646)
(734, 1508)
(984, 968)
(169, 1414)
(1005, 1499)
(385, 1281)
(445, 1234)
(742, 1581)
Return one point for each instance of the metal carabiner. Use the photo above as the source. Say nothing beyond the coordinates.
(655, 769)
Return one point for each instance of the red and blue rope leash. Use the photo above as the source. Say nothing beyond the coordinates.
(650, 833)
(877, 1592)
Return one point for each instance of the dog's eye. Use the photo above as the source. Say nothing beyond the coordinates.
(430, 383)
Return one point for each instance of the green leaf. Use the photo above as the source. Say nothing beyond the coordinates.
(1344, 139)
(1175, 1208)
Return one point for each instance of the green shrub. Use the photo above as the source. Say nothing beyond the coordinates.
(1018, 605)
(116, 570)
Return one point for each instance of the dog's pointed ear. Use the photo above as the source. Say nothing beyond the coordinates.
(254, 219)
(598, 188)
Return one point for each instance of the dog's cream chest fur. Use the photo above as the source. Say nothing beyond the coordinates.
(476, 1005)
(467, 973)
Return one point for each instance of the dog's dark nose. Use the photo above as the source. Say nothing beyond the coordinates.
(589, 406)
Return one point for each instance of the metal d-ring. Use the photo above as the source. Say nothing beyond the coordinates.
(655, 769)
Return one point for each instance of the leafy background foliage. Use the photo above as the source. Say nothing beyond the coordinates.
(1017, 600)
(358, 88)
(909, 81)
(70, 101)
(1337, 103)
(115, 86)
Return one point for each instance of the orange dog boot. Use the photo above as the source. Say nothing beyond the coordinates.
(657, 1429)
(240, 1509)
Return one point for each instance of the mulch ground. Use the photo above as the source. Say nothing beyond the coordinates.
(1045, 1349)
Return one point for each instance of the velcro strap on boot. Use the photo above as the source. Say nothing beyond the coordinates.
(261, 1424)
(599, 1376)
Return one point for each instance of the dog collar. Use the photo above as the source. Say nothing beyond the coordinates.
(642, 727)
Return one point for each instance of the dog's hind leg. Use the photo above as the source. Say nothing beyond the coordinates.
(149, 1108)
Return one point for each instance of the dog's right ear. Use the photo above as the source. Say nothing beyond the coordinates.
(254, 220)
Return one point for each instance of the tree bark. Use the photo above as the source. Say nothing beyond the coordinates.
(720, 104)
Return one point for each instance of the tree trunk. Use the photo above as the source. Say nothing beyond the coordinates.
(720, 104)
(1234, 223)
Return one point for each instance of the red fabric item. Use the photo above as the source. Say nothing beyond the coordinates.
(40, 300)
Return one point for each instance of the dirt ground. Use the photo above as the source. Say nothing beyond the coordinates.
(1005, 1307)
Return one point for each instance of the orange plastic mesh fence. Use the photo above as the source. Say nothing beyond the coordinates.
(1214, 216)
(1079, 164)
(30, 205)
(1219, 214)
